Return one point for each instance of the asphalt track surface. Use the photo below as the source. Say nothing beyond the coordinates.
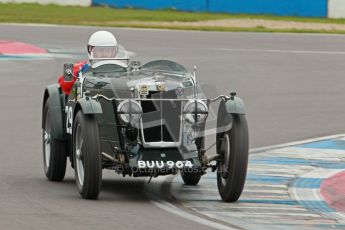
(293, 87)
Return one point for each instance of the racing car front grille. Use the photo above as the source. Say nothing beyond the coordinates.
(161, 119)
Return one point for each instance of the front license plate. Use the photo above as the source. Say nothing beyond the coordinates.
(162, 164)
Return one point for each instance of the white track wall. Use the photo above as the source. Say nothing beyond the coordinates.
(57, 2)
(336, 8)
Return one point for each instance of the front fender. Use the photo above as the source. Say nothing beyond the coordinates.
(235, 106)
(89, 106)
(226, 111)
(56, 112)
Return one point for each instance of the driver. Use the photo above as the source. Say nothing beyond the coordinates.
(102, 46)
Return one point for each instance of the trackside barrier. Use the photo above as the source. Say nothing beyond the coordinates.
(303, 8)
(336, 8)
(306, 8)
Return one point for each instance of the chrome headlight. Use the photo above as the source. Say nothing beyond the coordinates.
(195, 111)
(129, 111)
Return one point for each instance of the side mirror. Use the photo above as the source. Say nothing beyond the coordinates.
(68, 72)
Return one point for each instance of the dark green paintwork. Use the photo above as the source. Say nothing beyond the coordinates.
(105, 111)
(235, 106)
(56, 108)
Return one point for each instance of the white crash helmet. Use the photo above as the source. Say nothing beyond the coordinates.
(102, 45)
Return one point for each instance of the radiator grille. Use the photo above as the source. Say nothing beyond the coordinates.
(161, 119)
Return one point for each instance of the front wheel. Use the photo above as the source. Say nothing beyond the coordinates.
(86, 156)
(193, 178)
(233, 146)
(190, 178)
(54, 151)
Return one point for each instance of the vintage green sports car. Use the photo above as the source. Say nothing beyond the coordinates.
(142, 120)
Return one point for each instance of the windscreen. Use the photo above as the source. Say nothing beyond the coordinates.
(109, 70)
(166, 66)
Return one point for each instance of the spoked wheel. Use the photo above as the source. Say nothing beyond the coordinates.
(86, 156)
(78, 155)
(54, 151)
(233, 146)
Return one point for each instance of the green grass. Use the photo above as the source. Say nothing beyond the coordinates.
(103, 16)
(232, 29)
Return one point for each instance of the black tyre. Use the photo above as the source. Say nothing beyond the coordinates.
(193, 178)
(233, 146)
(54, 151)
(190, 178)
(86, 156)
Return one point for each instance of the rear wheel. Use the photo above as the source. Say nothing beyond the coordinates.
(233, 146)
(54, 151)
(86, 156)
